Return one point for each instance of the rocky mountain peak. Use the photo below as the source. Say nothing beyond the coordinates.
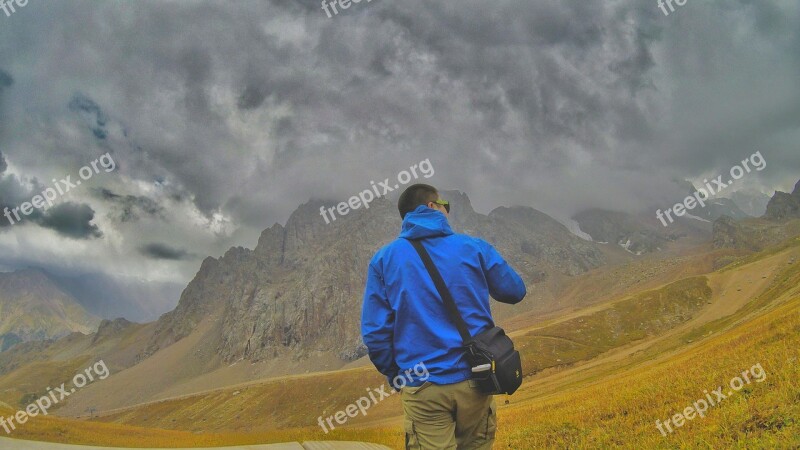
(109, 328)
(34, 308)
(784, 206)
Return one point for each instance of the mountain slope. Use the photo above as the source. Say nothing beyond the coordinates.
(32, 307)
(631, 232)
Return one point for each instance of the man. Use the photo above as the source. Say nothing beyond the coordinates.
(405, 323)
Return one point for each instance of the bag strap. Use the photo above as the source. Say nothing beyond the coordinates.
(449, 303)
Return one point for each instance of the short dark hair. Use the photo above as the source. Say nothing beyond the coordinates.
(415, 195)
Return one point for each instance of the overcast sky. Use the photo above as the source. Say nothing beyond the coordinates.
(223, 116)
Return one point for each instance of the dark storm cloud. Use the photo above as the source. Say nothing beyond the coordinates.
(91, 112)
(163, 251)
(3, 164)
(130, 208)
(252, 97)
(366, 86)
(71, 220)
(5, 80)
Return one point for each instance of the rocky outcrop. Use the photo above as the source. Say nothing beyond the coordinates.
(729, 234)
(534, 238)
(784, 206)
(749, 234)
(110, 328)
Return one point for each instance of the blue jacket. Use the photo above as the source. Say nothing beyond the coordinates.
(403, 320)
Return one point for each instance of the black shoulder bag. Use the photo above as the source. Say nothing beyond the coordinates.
(496, 366)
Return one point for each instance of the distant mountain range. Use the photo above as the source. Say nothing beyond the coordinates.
(33, 307)
(637, 234)
(297, 295)
(721, 221)
(641, 233)
(36, 304)
(757, 233)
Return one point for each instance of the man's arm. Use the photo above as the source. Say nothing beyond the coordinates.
(377, 325)
(505, 285)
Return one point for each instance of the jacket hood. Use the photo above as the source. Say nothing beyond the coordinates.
(425, 222)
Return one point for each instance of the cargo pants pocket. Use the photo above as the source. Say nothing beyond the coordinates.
(412, 443)
(491, 423)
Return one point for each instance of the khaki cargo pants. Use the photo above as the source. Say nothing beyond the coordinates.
(448, 417)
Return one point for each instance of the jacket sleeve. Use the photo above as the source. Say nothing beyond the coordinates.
(505, 285)
(377, 324)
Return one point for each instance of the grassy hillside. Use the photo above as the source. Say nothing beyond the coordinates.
(29, 368)
(622, 409)
(584, 337)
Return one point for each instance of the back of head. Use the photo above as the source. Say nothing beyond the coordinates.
(415, 195)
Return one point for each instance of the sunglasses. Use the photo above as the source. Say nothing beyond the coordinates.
(444, 203)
